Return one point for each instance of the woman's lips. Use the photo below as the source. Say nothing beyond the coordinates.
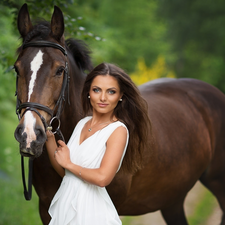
(102, 105)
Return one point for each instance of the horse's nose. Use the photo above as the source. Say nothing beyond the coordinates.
(31, 143)
(41, 136)
(20, 135)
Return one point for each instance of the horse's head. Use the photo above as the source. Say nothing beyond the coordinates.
(41, 70)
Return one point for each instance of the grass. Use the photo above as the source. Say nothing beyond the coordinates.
(203, 209)
(127, 220)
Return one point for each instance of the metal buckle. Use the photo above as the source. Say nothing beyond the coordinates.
(50, 125)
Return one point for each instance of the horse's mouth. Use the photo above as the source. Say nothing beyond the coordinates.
(26, 153)
(30, 152)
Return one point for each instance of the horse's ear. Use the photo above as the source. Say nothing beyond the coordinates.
(23, 21)
(57, 24)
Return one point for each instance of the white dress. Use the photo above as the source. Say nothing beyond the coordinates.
(77, 202)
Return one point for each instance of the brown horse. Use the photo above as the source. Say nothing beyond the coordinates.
(187, 115)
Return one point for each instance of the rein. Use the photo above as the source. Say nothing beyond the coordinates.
(32, 106)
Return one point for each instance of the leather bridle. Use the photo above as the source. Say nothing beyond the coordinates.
(32, 106)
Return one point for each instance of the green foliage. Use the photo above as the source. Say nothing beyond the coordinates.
(130, 31)
(189, 34)
(139, 33)
(43, 9)
(9, 40)
(8, 45)
(40, 8)
(7, 90)
(195, 32)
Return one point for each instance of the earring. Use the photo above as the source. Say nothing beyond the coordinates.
(121, 100)
(89, 96)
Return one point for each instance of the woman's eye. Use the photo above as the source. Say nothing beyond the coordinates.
(96, 90)
(111, 92)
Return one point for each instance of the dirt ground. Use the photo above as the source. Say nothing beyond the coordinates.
(192, 198)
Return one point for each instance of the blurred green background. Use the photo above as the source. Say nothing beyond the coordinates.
(147, 38)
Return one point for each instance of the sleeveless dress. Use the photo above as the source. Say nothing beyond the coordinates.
(77, 202)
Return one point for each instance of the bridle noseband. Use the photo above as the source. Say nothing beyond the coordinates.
(32, 106)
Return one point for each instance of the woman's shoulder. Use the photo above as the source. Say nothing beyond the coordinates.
(118, 124)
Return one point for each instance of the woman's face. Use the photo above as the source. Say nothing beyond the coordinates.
(104, 94)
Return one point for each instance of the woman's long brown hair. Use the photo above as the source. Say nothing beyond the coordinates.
(132, 111)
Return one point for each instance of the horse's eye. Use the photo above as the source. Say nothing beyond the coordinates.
(60, 71)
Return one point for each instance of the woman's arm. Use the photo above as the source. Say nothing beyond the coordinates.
(101, 176)
(51, 148)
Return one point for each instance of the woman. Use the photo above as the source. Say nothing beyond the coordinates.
(97, 147)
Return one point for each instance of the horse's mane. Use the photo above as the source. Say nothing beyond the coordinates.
(78, 48)
(80, 52)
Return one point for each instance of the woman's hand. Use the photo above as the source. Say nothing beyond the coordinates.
(62, 154)
(49, 134)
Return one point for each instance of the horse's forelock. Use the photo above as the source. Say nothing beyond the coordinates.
(41, 29)
(80, 53)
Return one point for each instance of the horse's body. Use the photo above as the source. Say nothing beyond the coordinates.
(187, 138)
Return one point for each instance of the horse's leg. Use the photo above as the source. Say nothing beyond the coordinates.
(174, 215)
(216, 184)
(43, 210)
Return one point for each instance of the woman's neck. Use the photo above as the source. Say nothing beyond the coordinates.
(101, 118)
